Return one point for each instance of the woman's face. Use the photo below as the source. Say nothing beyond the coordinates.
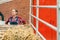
(14, 13)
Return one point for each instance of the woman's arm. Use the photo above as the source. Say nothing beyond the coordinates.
(7, 21)
(21, 21)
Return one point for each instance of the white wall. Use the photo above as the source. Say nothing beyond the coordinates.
(4, 1)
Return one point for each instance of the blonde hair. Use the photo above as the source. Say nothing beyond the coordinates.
(15, 10)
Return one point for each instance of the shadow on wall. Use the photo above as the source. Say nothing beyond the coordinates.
(2, 16)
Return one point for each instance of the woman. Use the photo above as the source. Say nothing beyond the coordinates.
(15, 19)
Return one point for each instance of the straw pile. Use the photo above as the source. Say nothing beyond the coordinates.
(24, 32)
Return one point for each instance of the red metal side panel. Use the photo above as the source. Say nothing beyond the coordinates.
(48, 15)
(44, 14)
(47, 32)
(34, 2)
(34, 23)
(53, 16)
(34, 11)
(48, 2)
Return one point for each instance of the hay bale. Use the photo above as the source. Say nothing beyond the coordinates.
(23, 32)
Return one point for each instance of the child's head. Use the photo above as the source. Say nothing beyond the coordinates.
(14, 12)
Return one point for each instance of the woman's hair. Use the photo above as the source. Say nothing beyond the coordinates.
(15, 10)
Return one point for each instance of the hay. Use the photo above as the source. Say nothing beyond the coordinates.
(24, 32)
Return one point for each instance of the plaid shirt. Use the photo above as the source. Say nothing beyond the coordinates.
(19, 20)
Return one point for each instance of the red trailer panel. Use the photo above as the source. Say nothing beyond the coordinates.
(47, 32)
(34, 2)
(49, 15)
(34, 11)
(48, 2)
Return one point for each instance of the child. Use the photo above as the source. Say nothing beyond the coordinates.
(15, 19)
